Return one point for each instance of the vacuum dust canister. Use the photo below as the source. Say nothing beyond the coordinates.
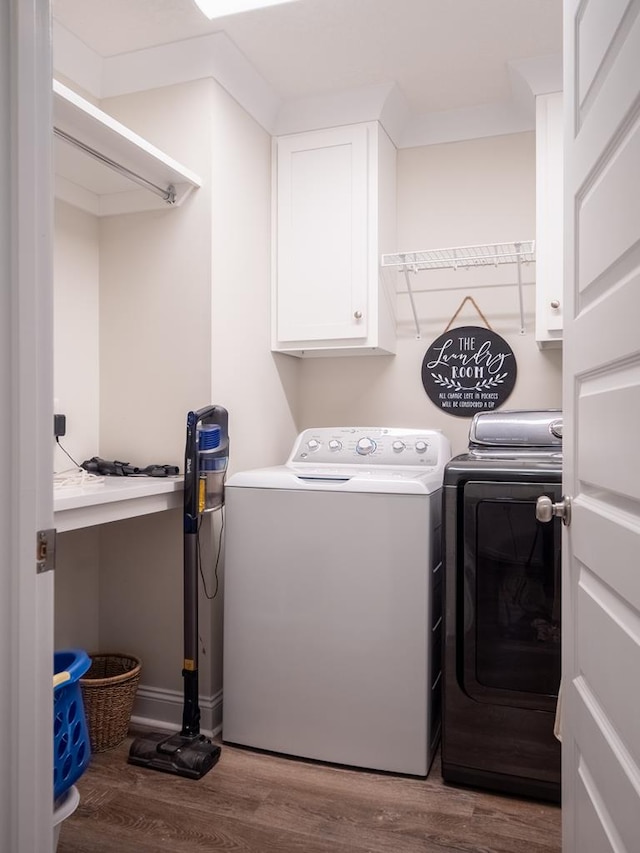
(212, 467)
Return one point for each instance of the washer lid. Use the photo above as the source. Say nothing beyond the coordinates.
(383, 460)
(363, 481)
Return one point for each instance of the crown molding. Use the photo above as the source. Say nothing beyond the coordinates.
(470, 123)
(529, 78)
(216, 56)
(212, 55)
(384, 103)
(542, 74)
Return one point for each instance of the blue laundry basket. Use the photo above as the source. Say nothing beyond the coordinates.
(71, 747)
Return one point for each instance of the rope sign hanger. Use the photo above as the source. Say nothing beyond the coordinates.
(459, 309)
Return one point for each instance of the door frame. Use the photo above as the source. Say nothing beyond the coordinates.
(26, 495)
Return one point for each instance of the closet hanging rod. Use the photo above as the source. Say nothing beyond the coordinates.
(168, 193)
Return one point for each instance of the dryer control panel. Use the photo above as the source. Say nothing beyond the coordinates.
(370, 446)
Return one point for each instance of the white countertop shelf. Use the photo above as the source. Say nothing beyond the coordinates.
(114, 499)
(105, 168)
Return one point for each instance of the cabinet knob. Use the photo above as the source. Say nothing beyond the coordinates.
(555, 303)
(357, 315)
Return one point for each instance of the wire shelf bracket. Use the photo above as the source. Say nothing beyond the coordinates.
(463, 257)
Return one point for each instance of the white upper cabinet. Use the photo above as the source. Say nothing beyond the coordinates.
(549, 219)
(104, 168)
(335, 214)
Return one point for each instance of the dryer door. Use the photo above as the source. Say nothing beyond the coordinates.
(510, 583)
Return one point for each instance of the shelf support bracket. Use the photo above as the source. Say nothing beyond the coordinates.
(520, 296)
(464, 257)
(411, 300)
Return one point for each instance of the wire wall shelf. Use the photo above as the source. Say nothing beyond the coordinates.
(463, 257)
(491, 254)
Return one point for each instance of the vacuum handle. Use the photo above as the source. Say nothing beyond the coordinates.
(207, 412)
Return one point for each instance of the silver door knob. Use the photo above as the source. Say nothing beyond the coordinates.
(555, 303)
(546, 510)
(357, 315)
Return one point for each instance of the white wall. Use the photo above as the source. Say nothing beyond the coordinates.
(259, 388)
(77, 591)
(76, 338)
(155, 281)
(76, 383)
(140, 594)
(456, 194)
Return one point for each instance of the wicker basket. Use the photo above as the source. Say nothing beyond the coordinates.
(108, 691)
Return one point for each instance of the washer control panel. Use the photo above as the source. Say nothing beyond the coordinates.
(370, 446)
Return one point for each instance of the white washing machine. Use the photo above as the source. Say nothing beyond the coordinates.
(332, 603)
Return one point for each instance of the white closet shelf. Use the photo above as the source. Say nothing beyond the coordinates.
(490, 254)
(105, 168)
(114, 499)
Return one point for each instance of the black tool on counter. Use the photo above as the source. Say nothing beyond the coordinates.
(96, 465)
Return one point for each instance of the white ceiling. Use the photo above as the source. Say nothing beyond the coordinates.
(441, 54)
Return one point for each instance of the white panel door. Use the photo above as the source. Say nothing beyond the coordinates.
(601, 610)
(322, 235)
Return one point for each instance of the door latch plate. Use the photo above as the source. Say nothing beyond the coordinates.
(45, 550)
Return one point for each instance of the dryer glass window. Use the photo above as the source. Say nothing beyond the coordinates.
(511, 601)
(517, 598)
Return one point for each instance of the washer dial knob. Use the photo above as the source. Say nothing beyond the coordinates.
(334, 444)
(365, 446)
(313, 444)
(421, 446)
(398, 446)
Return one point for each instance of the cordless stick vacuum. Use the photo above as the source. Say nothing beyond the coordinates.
(188, 753)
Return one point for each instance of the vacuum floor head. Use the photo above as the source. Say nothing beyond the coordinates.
(190, 757)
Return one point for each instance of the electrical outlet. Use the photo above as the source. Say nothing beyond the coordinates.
(59, 425)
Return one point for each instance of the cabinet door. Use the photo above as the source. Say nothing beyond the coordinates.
(322, 235)
(549, 212)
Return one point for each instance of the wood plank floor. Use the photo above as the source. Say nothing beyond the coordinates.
(258, 803)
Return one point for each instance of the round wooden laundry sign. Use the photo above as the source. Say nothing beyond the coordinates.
(469, 370)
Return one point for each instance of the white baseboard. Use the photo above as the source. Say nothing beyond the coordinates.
(161, 709)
